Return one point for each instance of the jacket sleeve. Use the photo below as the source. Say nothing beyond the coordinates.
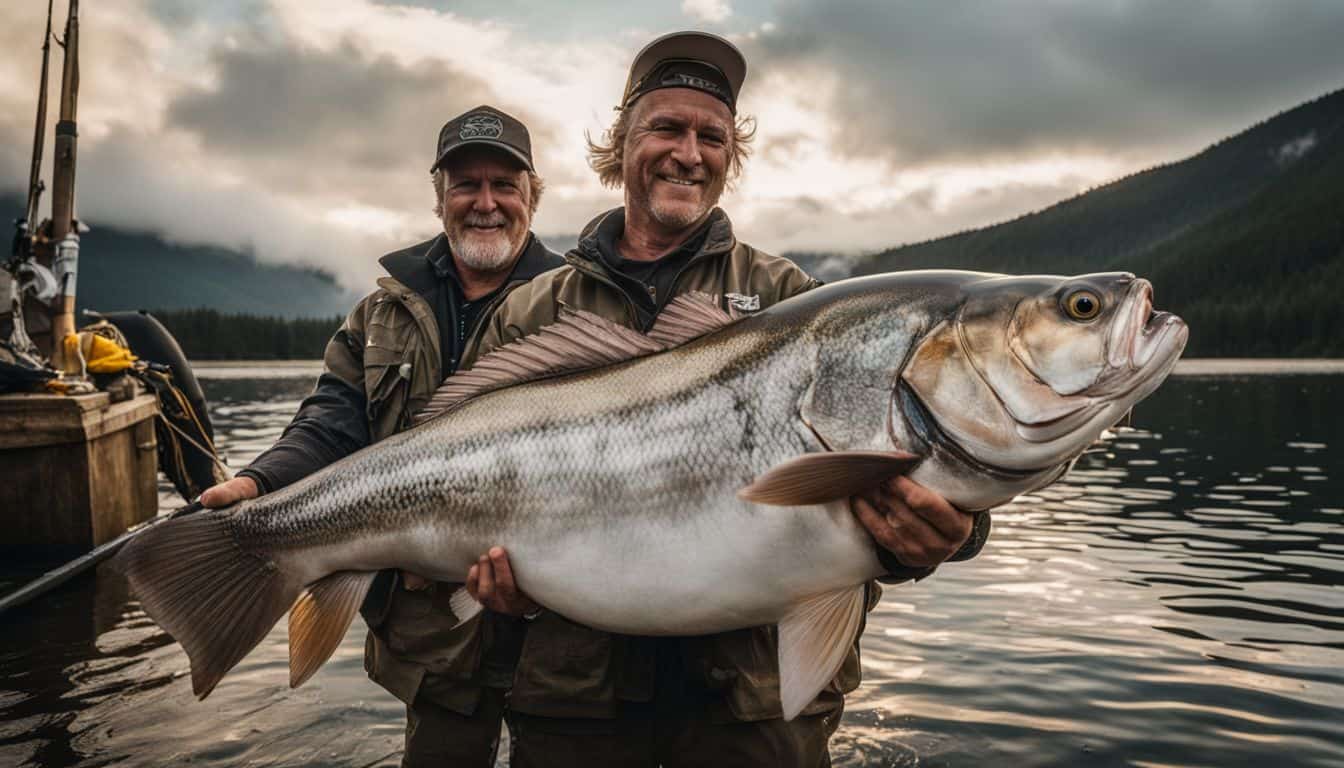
(331, 423)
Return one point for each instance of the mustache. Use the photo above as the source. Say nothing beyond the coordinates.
(474, 219)
(677, 171)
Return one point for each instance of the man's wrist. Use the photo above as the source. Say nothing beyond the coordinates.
(263, 485)
(898, 572)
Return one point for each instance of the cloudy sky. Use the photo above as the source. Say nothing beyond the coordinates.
(304, 130)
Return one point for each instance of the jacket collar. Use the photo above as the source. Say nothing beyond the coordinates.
(421, 266)
(719, 239)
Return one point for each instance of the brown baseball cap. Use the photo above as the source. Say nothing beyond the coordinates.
(484, 125)
(697, 60)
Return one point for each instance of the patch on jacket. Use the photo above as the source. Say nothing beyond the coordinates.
(743, 303)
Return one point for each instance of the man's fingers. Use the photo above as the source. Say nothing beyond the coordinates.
(951, 523)
(229, 492)
(486, 573)
(474, 582)
(499, 559)
(876, 523)
(921, 544)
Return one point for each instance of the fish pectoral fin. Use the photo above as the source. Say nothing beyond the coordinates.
(814, 639)
(464, 606)
(319, 619)
(818, 478)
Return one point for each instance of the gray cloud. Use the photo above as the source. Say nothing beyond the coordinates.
(335, 123)
(926, 82)
(805, 223)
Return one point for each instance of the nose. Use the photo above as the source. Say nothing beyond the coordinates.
(687, 151)
(485, 199)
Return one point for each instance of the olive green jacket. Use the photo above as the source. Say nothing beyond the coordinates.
(569, 670)
(389, 347)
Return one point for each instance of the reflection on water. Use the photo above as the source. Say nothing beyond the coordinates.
(1177, 599)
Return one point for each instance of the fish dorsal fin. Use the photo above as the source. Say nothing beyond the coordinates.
(577, 341)
(690, 316)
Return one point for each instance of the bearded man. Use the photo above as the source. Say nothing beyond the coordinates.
(586, 697)
(381, 366)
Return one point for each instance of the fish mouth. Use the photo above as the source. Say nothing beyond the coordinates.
(1142, 346)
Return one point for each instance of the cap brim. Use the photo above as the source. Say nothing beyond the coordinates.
(519, 156)
(697, 46)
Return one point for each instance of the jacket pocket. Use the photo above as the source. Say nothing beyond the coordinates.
(565, 670)
(419, 627)
(392, 352)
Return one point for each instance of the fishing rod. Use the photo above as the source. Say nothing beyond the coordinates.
(63, 234)
(58, 576)
(28, 275)
(26, 226)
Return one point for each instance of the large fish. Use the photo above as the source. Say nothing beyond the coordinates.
(681, 487)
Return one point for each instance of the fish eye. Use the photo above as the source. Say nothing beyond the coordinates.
(1082, 305)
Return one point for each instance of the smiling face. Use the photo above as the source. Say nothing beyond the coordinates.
(486, 208)
(676, 159)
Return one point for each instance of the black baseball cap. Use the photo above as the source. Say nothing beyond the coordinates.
(697, 60)
(488, 126)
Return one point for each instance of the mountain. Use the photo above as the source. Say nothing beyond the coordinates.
(1245, 239)
(126, 269)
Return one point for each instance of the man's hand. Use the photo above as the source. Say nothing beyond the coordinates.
(230, 492)
(490, 581)
(919, 527)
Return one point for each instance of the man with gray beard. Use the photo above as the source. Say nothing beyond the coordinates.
(382, 365)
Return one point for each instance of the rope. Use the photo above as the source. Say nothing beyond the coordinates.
(209, 452)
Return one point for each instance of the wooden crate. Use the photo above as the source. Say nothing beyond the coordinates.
(75, 472)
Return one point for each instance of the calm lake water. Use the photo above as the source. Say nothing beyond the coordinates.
(1178, 599)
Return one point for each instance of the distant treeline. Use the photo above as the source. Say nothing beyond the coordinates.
(206, 334)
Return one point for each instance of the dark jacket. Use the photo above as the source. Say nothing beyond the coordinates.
(382, 365)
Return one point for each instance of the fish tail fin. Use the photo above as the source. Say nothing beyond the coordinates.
(320, 618)
(215, 599)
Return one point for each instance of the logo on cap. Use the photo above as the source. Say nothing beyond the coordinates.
(481, 126)
(691, 81)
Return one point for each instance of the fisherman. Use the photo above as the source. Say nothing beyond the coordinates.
(381, 366)
(584, 697)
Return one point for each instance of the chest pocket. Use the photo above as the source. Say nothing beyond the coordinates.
(390, 342)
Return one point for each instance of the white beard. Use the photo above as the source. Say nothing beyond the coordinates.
(484, 254)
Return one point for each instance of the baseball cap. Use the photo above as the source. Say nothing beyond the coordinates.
(484, 125)
(697, 60)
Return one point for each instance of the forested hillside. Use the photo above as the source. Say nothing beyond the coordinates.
(1245, 239)
(205, 334)
(125, 269)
